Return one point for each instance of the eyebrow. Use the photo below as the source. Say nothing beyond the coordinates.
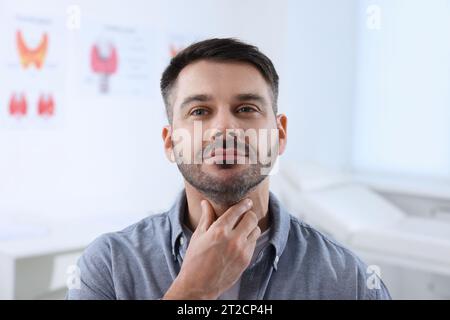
(195, 98)
(240, 97)
(251, 97)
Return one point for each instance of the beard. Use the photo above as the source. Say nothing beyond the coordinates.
(230, 188)
(226, 192)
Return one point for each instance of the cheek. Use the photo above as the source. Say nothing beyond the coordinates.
(267, 121)
(261, 128)
(260, 136)
(182, 141)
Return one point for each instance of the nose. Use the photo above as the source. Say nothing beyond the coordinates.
(223, 120)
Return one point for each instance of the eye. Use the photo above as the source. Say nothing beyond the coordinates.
(246, 108)
(199, 112)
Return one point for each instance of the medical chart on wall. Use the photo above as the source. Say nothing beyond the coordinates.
(114, 60)
(32, 69)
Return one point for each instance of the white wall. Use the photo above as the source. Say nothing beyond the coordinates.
(318, 86)
(402, 113)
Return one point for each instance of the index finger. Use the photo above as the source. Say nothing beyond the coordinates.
(231, 216)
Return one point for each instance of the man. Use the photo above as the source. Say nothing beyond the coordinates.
(226, 236)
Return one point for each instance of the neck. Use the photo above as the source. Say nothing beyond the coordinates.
(259, 196)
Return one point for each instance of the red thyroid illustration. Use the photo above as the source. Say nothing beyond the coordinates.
(30, 56)
(46, 105)
(17, 105)
(104, 62)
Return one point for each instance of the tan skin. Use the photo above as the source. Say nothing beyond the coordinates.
(224, 238)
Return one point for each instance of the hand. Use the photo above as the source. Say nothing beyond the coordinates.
(219, 251)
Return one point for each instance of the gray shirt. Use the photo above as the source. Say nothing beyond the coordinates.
(298, 262)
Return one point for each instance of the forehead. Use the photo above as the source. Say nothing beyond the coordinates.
(220, 79)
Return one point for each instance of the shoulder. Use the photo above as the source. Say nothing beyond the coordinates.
(334, 262)
(143, 231)
(321, 243)
(110, 257)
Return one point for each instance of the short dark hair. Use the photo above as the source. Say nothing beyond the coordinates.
(223, 50)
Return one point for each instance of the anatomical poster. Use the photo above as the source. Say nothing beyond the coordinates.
(114, 60)
(32, 68)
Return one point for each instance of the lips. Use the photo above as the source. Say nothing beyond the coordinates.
(226, 156)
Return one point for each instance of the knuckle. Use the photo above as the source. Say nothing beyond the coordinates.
(234, 245)
(240, 209)
(219, 232)
(253, 217)
(243, 257)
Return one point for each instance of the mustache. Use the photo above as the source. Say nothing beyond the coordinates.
(244, 147)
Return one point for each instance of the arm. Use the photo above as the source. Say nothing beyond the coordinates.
(94, 272)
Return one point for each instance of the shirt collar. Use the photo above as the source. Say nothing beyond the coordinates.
(280, 226)
(176, 217)
(279, 223)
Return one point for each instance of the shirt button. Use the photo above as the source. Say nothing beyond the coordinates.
(181, 240)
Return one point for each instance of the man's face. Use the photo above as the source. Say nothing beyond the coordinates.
(222, 116)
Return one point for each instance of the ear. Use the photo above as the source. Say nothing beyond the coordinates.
(282, 132)
(167, 140)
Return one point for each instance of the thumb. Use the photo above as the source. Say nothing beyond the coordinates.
(207, 217)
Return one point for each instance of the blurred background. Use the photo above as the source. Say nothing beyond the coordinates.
(365, 86)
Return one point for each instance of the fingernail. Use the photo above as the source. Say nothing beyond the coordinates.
(249, 202)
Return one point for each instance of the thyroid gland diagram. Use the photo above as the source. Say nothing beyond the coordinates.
(29, 56)
(104, 61)
(46, 105)
(18, 105)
